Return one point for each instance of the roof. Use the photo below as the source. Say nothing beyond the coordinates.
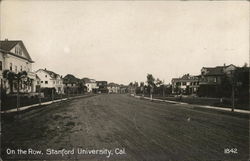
(69, 78)
(113, 85)
(88, 80)
(51, 73)
(7, 45)
(214, 71)
(186, 77)
(218, 70)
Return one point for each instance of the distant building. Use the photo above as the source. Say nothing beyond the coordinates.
(113, 88)
(187, 84)
(14, 57)
(49, 79)
(123, 89)
(214, 75)
(214, 79)
(70, 80)
(102, 86)
(73, 84)
(91, 84)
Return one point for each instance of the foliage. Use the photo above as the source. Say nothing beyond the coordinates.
(14, 77)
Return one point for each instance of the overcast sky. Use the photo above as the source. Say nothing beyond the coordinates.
(122, 41)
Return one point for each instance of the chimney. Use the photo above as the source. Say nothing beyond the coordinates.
(45, 69)
(6, 39)
(224, 64)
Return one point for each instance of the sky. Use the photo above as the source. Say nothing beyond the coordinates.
(122, 41)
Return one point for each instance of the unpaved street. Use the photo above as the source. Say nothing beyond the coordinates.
(146, 130)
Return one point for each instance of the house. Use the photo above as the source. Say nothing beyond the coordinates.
(90, 84)
(49, 79)
(15, 58)
(215, 81)
(102, 86)
(123, 89)
(113, 88)
(214, 75)
(73, 84)
(187, 84)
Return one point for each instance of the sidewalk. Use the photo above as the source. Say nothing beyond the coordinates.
(41, 104)
(194, 105)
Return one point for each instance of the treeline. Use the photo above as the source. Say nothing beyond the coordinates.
(152, 86)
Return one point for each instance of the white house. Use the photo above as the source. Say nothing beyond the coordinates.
(15, 58)
(49, 79)
(90, 84)
(113, 88)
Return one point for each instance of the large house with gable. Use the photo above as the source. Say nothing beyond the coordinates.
(15, 58)
(50, 79)
(187, 84)
(214, 75)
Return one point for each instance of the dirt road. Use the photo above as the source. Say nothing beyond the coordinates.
(144, 130)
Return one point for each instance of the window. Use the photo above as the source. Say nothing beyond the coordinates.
(46, 76)
(184, 83)
(215, 80)
(21, 68)
(1, 65)
(41, 81)
(53, 82)
(46, 82)
(10, 66)
(15, 68)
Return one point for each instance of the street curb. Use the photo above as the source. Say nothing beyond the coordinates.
(44, 103)
(195, 105)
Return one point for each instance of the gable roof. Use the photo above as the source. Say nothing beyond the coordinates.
(218, 70)
(51, 73)
(113, 85)
(8, 45)
(186, 77)
(214, 71)
(69, 78)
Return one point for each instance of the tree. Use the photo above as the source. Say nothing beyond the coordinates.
(18, 77)
(142, 87)
(10, 76)
(151, 83)
(158, 82)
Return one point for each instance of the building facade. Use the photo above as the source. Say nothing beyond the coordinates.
(15, 58)
(214, 75)
(102, 86)
(90, 84)
(187, 84)
(49, 79)
(113, 88)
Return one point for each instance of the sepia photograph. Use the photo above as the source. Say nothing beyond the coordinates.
(124, 80)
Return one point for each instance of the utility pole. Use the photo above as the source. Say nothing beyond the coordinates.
(1, 87)
(18, 98)
(40, 95)
(52, 94)
(233, 98)
(163, 92)
(233, 91)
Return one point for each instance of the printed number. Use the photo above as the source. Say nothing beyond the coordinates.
(232, 151)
